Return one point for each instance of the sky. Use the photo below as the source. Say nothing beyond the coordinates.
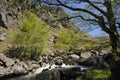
(96, 32)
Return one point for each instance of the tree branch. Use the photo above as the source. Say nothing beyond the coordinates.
(72, 17)
(97, 2)
(103, 25)
(102, 11)
(85, 19)
(78, 9)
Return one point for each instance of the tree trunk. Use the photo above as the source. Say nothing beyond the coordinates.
(115, 58)
(114, 42)
(115, 70)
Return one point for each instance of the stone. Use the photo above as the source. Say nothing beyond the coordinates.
(2, 38)
(10, 46)
(74, 56)
(94, 52)
(7, 61)
(86, 55)
(104, 52)
(3, 19)
(54, 38)
(48, 75)
(18, 70)
(59, 62)
(60, 74)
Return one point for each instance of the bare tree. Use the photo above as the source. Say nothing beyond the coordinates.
(106, 17)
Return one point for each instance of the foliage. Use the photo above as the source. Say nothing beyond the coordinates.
(66, 40)
(95, 75)
(31, 39)
(70, 40)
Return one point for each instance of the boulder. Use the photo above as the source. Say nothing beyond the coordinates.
(94, 52)
(2, 38)
(7, 62)
(74, 56)
(3, 19)
(49, 75)
(60, 74)
(19, 70)
(86, 55)
(59, 62)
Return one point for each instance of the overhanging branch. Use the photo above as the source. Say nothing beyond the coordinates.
(72, 17)
(96, 7)
(78, 9)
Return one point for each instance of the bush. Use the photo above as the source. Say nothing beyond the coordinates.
(95, 75)
(66, 39)
(31, 39)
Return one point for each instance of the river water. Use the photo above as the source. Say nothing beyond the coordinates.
(31, 75)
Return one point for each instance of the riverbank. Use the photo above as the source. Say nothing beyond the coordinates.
(11, 67)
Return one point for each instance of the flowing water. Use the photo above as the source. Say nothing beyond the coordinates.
(45, 66)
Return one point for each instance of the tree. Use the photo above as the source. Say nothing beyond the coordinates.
(107, 19)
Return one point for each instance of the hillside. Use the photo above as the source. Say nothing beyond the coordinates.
(36, 38)
(61, 34)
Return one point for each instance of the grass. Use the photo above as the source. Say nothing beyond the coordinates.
(4, 44)
(95, 75)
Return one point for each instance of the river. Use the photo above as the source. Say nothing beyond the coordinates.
(31, 75)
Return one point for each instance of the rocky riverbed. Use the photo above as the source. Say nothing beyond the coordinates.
(11, 67)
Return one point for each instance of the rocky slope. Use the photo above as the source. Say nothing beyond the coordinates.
(10, 19)
(80, 52)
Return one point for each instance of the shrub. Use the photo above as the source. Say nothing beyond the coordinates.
(66, 40)
(31, 39)
(95, 75)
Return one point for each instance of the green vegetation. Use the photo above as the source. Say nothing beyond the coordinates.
(69, 40)
(30, 40)
(95, 75)
(66, 39)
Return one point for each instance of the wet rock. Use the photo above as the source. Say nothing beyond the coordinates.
(59, 74)
(104, 52)
(59, 62)
(49, 75)
(94, 52)
(70, 73)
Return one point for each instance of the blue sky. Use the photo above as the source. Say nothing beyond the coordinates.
(96, 32)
